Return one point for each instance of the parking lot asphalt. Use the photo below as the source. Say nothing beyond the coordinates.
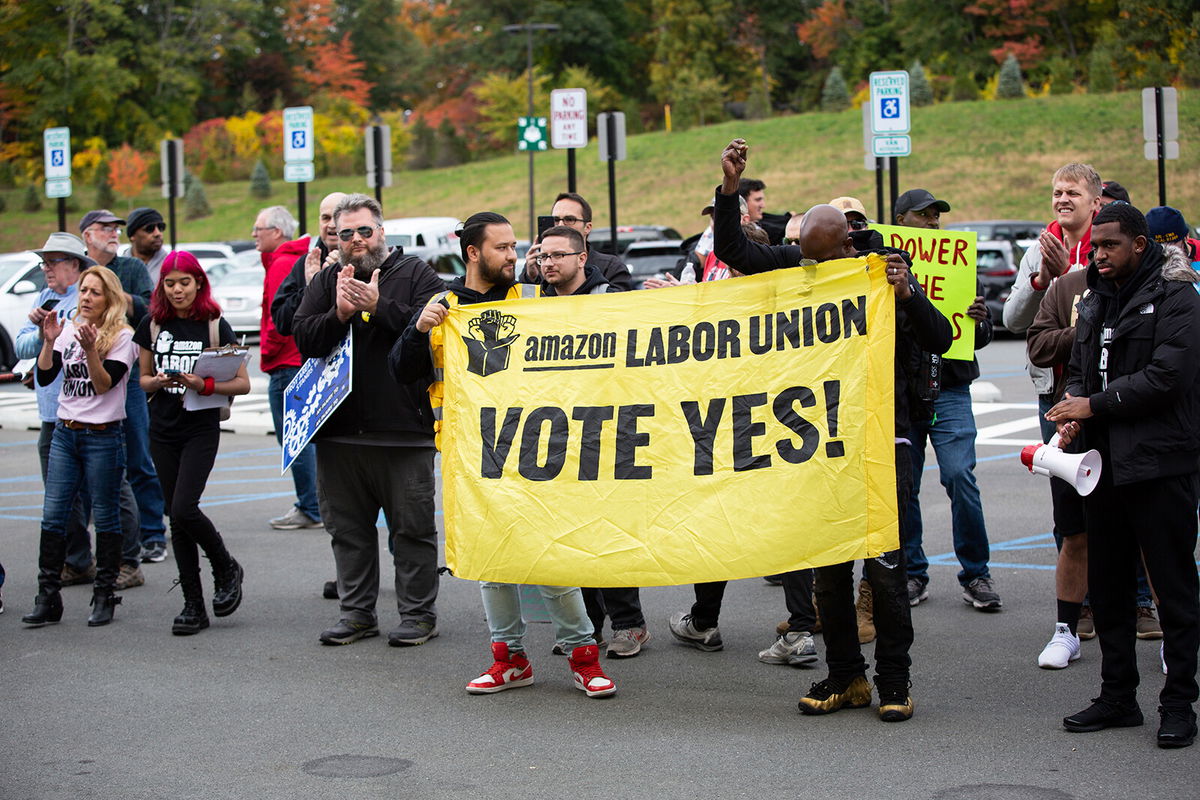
(255, 708)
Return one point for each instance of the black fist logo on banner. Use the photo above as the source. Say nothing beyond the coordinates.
(489, 342)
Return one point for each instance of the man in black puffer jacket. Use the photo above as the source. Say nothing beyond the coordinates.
(1133, 394)
(376, 449)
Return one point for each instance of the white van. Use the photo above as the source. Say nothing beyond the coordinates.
(416, 234)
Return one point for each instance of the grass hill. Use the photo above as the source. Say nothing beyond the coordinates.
(987, 159)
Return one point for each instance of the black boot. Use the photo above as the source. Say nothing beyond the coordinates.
(48, 608)
(227, 586)
(193, 618)
(108, 565)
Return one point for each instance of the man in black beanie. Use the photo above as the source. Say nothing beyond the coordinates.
(145, 228)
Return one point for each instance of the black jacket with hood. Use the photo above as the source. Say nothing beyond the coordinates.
(593, 279)
(378, 404)
(1147, 416)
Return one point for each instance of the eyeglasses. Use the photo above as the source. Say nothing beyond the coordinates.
(153, 226)
(555, 257)
(568, 220)
(110, 229)
(858, 224)
(261, 228)
(51, 263)
(365, 231)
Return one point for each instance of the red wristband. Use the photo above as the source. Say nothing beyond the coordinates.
(209, 386)
(1033, 282)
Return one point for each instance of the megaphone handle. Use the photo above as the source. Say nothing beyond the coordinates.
(1055, 441)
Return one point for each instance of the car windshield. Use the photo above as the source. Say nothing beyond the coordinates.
(243, 277)
(12, 265)
(650, 264)
(399, 240)
(987, 260)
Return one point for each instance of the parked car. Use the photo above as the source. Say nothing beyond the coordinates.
(216, 270)
(21, 279)
(996, 267)
(446, 262)
(601, 237)
(646, 259)
(417, 232)
(1021, 233)
(239, 293)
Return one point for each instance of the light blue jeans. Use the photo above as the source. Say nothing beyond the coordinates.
(502, 604)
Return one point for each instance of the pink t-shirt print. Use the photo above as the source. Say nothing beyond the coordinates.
(78, 399)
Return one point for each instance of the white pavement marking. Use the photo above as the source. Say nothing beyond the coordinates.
(251, 413)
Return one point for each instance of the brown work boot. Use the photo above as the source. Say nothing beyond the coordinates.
(865, 610)
(1147, 624)
(74, 577)
(1085, 628)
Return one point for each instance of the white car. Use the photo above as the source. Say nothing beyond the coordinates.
(239, 293)
(412, 233)
(21, 279)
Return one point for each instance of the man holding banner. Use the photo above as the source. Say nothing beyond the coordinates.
(376, 448)
(824, 235)
(947, 419)
(489, 248)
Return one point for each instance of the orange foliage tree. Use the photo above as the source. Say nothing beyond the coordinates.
(127, 171)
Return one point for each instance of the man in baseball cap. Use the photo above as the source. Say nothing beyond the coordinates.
(917, 208)
(852, 207)
(1169, 228)
(1113, 192)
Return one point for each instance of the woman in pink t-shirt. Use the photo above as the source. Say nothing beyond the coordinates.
(94, 352)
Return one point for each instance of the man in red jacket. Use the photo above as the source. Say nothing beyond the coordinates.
(273, 231)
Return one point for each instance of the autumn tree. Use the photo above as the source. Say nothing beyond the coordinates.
(128, 171)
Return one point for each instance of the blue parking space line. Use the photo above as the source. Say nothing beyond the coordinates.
(31, 442)
(20, 517)
(22, 479)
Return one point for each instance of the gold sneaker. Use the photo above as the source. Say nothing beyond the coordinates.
(830, 695)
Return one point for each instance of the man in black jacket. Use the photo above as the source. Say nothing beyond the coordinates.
(376, 449)
(1133, 392)
(572, 211)
(825, 235)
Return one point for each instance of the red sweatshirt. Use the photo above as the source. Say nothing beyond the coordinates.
(278, 350)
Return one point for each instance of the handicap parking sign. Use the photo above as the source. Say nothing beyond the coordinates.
(297, 139)
(890, 107)
(297, 134)
(889, 102)
(56, 158)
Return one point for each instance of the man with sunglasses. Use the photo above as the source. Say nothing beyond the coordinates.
(572, 211)
(375, 452)
(145, 231)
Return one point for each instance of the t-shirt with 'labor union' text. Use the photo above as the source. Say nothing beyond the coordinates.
(176, 349)
(78, 399)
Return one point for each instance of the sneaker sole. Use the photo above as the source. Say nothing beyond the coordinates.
(1127, 722)
(188, 630)
(396, 641)
(916, 601)
(1150, 635)
(816, 711)
(502, 687)
(367, 634)
(609, 692)
(708, 648)
(982, 606)
(897, 714)
(799, 661)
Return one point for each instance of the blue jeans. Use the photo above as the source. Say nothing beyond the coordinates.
(76, 457)
(304, 468)
(953, 435)
(502, 604)
(139, 469)
(1144, 598)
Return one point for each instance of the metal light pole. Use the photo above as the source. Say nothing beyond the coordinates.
(529, 28)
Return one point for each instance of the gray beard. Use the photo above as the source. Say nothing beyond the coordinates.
(367, 263)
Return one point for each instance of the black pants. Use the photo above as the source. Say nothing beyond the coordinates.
(621, 604)
(1159, 518)
(888, 578)
(797, 595)
(355, 482)
(183, 464)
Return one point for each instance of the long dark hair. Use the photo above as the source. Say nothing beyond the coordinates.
(204, 308)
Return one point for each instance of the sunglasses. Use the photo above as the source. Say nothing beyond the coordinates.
(154, 226)
(858, 224)
(365, 231)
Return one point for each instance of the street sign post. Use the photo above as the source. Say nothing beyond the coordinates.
(298, 153)
(1160, 129)
(890, 118)
(57, 146)
(171, 159)
(379, 158)
(610, 131)
(569, 125)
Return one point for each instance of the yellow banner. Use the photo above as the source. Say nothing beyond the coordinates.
(723, 430)
(944, 265)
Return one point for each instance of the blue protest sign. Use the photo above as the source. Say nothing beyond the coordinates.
(313, 395)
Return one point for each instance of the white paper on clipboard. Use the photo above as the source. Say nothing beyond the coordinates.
(220, 364)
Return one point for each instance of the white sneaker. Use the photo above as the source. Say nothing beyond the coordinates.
(793, 647)
(1062, 649)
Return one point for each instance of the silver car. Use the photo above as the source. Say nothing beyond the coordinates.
(239, 292)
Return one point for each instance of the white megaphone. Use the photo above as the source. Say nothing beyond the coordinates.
(1081, 470)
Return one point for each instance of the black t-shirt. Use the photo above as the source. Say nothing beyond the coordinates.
(177, 347)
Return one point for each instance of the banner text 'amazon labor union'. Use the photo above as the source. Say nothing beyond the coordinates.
(718, 431)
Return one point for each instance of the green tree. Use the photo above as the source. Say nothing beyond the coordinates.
(260, 180)
(693, 62)
(502, 98)
(920, 91)
(1102, 78)
(835, 96)
(32, 201)
(1010, 85)
(964, 87)
(195, 199)
(421, 152)
(104, 191)
(450, 147)
(1061, 75)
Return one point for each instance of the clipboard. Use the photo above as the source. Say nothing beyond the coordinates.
(220, 364)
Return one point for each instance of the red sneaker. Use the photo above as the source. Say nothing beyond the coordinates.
(589, 676)
(508, 672)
